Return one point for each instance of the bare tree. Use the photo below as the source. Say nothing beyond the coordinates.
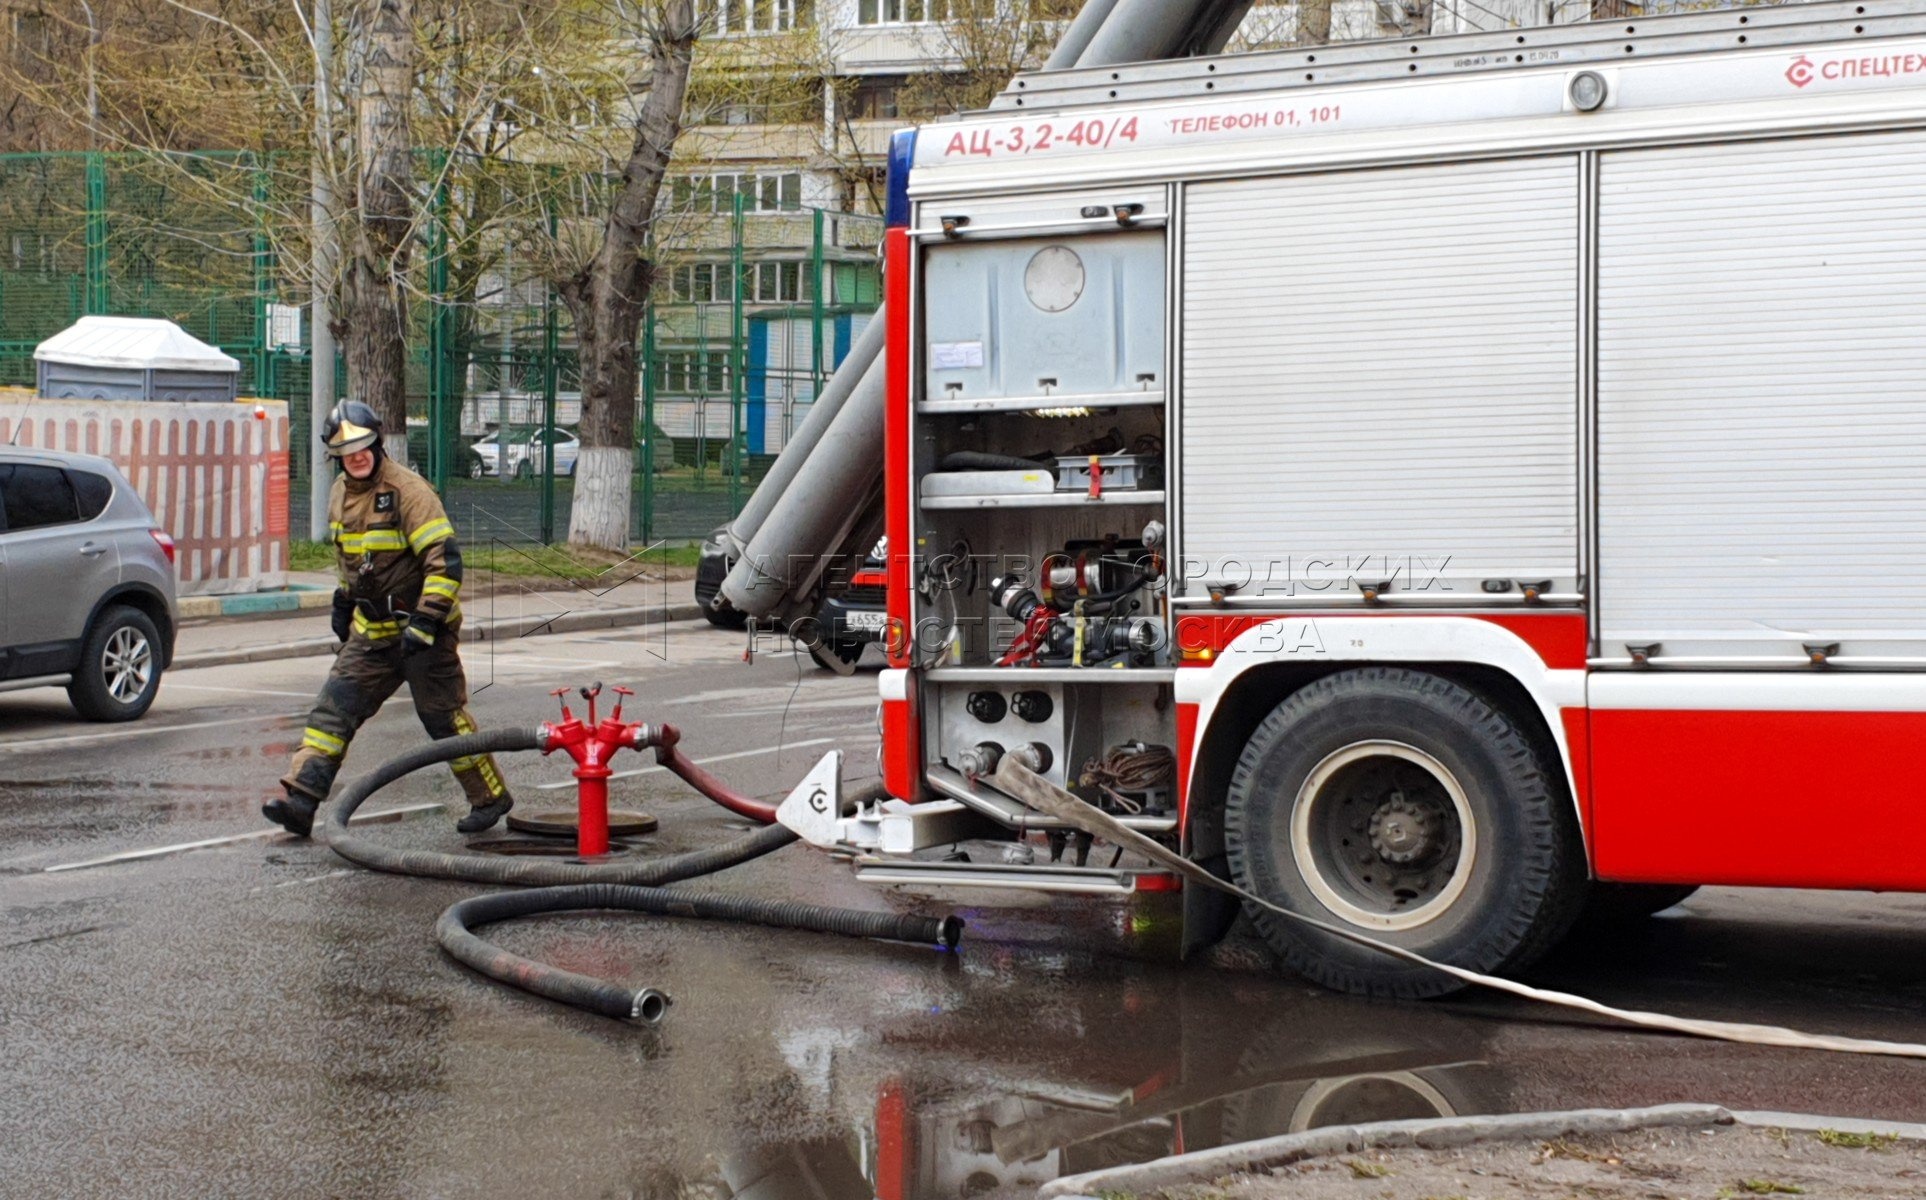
(607, 294)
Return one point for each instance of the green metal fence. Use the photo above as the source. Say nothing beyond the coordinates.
(754, 304)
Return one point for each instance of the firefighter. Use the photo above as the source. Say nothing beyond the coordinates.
(397, 616)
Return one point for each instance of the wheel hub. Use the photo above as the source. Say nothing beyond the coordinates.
(1382, 833)
(1405, 833)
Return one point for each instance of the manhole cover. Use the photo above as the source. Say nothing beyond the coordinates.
(561, 823)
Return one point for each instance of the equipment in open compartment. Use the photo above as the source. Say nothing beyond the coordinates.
(1100, 740)
(1112, 461)
(1089, 606)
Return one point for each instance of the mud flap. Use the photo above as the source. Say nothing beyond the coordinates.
(1208, 913)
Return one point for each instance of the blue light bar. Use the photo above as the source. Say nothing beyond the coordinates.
(902, 151)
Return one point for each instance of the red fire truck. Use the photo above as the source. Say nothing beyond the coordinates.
(1436, 484)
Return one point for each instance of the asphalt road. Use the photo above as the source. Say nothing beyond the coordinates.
(260, 1018)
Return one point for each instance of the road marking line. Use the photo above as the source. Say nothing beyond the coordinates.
(119, 734)
(318, 878)
(700, 762)
(173, 685)
(230, 839)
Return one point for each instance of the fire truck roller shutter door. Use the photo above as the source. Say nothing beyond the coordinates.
(1762, 513)
(1415, 380)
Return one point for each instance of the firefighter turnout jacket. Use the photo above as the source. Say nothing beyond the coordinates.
(396, 550)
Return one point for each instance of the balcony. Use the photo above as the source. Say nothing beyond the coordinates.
(902, 49)
(800, 142)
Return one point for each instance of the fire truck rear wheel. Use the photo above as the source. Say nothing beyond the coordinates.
(1398, 804)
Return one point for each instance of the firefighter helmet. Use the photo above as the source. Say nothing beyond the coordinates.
(352, 426)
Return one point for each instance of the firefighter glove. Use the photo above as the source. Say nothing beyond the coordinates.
(420, 634)
(341, 620)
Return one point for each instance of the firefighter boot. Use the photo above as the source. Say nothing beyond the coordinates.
(481, 781)
(485, 816)
(306, 792)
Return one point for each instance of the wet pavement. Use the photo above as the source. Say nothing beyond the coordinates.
(260, 1018)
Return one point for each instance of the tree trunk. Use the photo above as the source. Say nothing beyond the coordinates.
(607, 298)
(373, 314)
(1313, 22)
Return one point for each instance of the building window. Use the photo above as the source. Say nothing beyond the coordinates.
(901, 12)
(692, 372)
(757, 16)
(717, 193)
(702, 283)
(778, 282)
(877, 98)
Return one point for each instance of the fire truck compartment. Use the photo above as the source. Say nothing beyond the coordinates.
(1069, 320)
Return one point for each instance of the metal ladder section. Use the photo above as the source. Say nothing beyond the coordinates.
(1749, 28)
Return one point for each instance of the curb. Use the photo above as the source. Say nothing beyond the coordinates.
(253, 604)
(1204, 1166)
(514, 627)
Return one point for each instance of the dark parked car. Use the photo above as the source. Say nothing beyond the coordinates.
(852, 615)
(712, 567)
(86, 584)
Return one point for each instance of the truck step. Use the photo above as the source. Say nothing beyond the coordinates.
(1034, 877)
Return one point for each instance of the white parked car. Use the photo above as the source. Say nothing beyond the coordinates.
(524, 457)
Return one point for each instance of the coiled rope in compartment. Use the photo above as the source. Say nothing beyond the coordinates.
(577, 887)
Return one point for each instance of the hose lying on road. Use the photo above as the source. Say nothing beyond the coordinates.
(1039, 793)
(517, 872)
(647, 1004)
(574, 887)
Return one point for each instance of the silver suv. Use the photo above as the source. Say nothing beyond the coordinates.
(86, 584)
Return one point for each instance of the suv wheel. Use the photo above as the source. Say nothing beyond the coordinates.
(120, 667)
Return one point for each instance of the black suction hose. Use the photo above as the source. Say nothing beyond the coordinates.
(648, 1005)
(516, 872)
(617, 885)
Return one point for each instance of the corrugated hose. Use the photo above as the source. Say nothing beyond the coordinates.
(576, 887)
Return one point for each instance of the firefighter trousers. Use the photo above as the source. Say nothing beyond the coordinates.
(365, 674)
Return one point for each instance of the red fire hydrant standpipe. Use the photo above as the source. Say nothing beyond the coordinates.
(593, 743)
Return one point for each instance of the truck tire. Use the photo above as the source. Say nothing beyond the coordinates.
(726, 620)
(1399, 804)
(120, 666)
